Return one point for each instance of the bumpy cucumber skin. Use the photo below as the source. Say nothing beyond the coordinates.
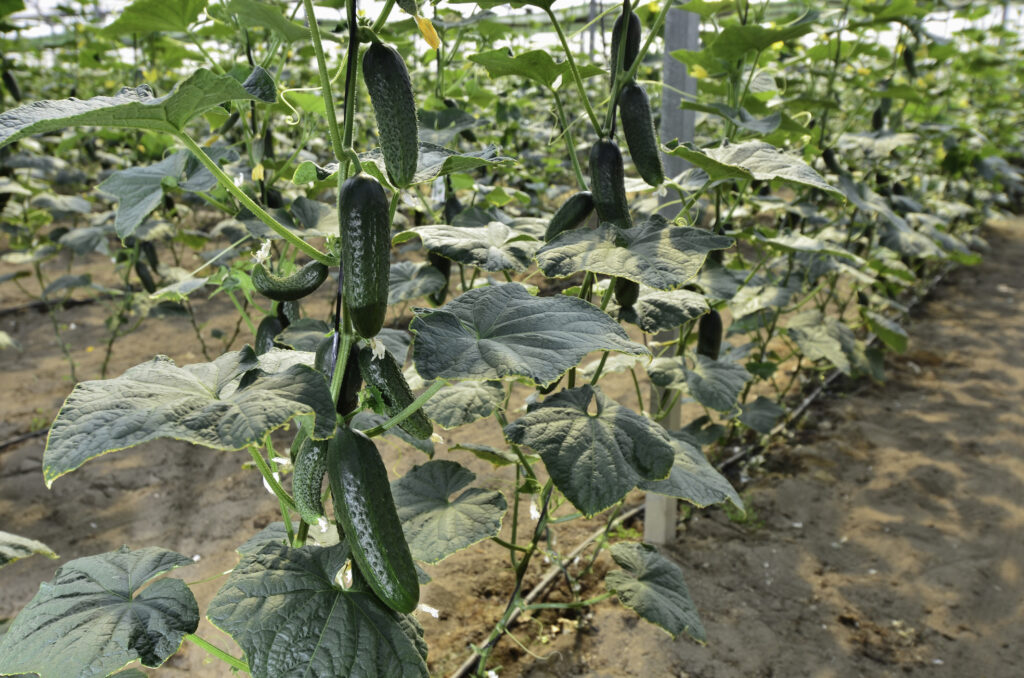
(394, 106)
(626, 292)
(385, 375)
(632, 43)
(365, 511)
(570, 215)
(709, 335)
(307, 479)
(607, 181)
(365, 229)
(293, 287)
(268, 328)
(641, 139)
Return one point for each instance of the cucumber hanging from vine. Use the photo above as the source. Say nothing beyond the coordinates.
(607, 181)
(709, 335)
(387, 80)
(299, 284)
(641, 138)
(307, 479)
(384, 374)
(365, 229)
(572, 214)
(632, 43)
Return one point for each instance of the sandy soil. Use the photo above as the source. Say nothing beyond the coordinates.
(887, 537)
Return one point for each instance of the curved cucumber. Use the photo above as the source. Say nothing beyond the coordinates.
(365, 511)
(570, 215)
(268, 328)
(292, 287)
(632, 43)
(385, 375)
(709, 335)
(607, 181)
(641, 139)
(307, 479)
(394, 106)
(365, 227)
(626, 292)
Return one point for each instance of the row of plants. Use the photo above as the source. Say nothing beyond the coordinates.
(470, 213)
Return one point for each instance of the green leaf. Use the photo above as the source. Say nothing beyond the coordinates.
(493, 456)
(368, 419)
(741, 117)
(536, 65)
(435, 161)
(151, 16)
(260, 14)
(653, 586)
(798, 242)
(657, 311)
(821, 337)
(273, 532)
(284, 608)
(716, 383)
(762, 414)
(504, 331)
(435, 525)
(201, 404)
(655, 252)
(889, 331)
(140, 190)
(594, 459)
(464, 402)
(304, 334)
(752, 160)
(13, 547)
(411, 280)
(693, 478)
(735, 40)
(137, 108)
(494, 247)
(88, 621)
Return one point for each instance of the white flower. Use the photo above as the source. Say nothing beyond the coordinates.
(239, 179)
(321, 522)
(432, 611)
(436, 438)
(263, 254)
(378, 348)
(534, 511)
(277, 477)
(283, 463)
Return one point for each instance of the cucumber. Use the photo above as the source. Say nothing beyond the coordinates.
(607, 181)
(268, 328)
(908, 61)
(572, 214)
(831, 162)
(145, 277)
(149, 250)
(365, 228)
(709, 335)
(288, 312)
(632, 44)
(365, 512)
(626, 292)
(394, 106)
(385, 376)
(444, 265)
(641, 139)
(229, 123)
(11, 83)
(307, 479)
(299, 284)
(351, 381)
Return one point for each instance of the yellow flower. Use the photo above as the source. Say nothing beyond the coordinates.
(427, 29)
(257, 172)
(698, 72)
(863, 71)
(778, 44)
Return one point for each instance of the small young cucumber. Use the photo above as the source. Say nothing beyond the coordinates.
(831, 162)
(394, 106)
(292, 287)
(268, 328)
(365, 229)
(307, 479)
(632, 44)
(607, 181)
(641, 139)
(145, 277)
(366, 514)
(709, 335)
(385, 375)
(626, 292)
(572, 214)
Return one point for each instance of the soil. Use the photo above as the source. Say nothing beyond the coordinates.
(884, 538)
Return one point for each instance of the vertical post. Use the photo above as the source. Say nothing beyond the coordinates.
(681, 32)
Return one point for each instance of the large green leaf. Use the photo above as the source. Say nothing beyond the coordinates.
(594, 459)
(504, 331)
(412, 280)
(735, 40)
(293, 620)
(889, 331)
(693, 478)
(435, 161)
(655, 252)
(657, 311)
(201, 404)
(820, 337)
(536, 65)
(140, 190)
(436, 525)
(13, 547)
(464, 402)
(261, 14)
(653, 586)
(762, 414)
(88, 621)
(151, 16)
(716, 383)
(494, 247)
(137, 108)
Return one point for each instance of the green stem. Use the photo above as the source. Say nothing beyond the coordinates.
(215, 651)
(241, 311)
(574, 70)
(351, 60)
(407, 412)
(325, 78)
(512, 547)
(384, 12)
(248, 202)
(570, 145)
(503, 422)
(566, 606)
(268, 475)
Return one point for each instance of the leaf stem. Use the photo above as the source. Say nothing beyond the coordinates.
(566, 606)
(570, 145)
(575, 71)
(268, 476)
(215, 651)
(408, 411)
(325, 78)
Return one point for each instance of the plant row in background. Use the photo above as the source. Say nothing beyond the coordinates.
(480, 219)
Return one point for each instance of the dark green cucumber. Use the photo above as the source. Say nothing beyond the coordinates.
(149, 250)
(366, 514)
(607, 181)
(288, 312)
(385, 375)
(641, 139)
(299, 284)
(229, 123)
(444, 265)
(626, 292)
(11, 83)
(308, 478)
(351, 381)
(145, 277)
(908, 61)
(394, 106)
(365, 226)
(632, 43)
(268, 328)
(709, 335)
(572, 214)
(831, 162)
